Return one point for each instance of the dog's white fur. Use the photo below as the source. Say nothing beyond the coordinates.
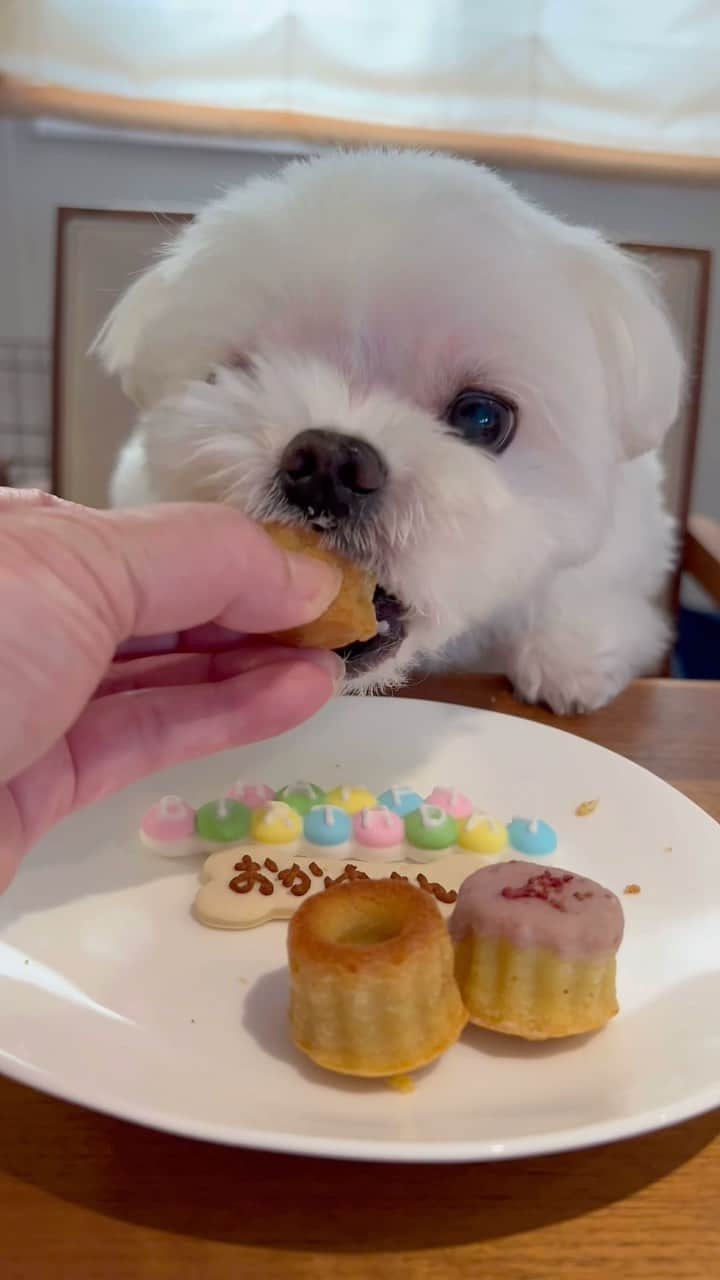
(368, 289)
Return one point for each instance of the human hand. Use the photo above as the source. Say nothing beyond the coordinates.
(129, 640)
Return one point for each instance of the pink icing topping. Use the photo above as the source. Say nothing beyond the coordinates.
(172, 818)
(452, 801)
(378, 828)
(556, 909)
(253, 794)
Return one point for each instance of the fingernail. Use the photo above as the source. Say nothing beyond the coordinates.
(327, 660)
(314, 581)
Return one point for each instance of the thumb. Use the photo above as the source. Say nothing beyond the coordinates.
(186, 564)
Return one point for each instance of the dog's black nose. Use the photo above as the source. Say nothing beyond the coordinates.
(326, 472)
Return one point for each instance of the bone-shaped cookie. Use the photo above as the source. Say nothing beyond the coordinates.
(242, 887)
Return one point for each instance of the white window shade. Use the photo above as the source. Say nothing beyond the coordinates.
(606, 83)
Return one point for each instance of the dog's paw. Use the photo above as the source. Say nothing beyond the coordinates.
(570, 683)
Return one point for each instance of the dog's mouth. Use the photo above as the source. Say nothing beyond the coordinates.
(364, 655)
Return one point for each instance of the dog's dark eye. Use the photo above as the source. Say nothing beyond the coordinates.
(482, 419)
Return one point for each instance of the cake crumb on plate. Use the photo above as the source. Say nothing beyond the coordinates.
(631, 888)
(401, 1084)
(585, 808)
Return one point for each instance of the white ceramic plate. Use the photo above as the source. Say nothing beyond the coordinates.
(113, 996)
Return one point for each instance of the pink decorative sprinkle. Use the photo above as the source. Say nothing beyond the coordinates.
(452, 801)
(252, 794)
(172, 818)
(544, 886)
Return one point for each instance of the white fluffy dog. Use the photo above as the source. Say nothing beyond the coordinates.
(460, 390)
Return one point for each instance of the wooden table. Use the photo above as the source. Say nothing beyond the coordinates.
(90, 1198)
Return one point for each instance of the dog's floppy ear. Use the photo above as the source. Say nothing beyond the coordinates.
(643, 363)
(155, 337)
(125, 343)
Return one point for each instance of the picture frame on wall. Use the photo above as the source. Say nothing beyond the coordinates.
(99, 252)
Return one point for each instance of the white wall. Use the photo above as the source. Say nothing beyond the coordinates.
(38, 174)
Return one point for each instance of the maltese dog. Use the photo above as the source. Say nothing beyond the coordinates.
(461, 391)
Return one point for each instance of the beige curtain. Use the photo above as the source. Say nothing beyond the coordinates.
(607, 84)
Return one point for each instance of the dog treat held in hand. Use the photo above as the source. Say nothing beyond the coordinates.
(351, 615)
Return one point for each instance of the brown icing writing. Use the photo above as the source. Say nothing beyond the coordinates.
(295, 879)
(437, 890)
(350, 873)
(298, 881)
(250, 875)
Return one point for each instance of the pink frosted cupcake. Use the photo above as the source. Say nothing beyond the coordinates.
(168, 827)
(379, 835)
(535, 951)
